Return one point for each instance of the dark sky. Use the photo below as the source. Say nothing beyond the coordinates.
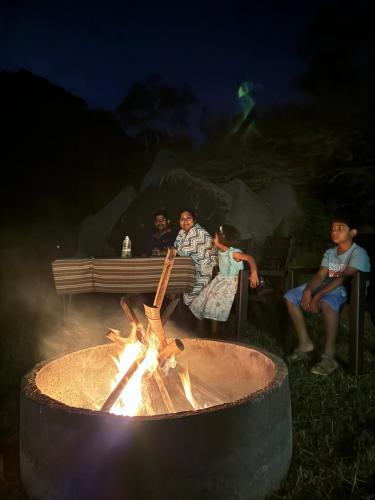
(97, 50)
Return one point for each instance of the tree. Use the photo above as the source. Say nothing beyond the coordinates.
(153, 110)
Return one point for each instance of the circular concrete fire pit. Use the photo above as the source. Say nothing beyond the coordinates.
(239, 449)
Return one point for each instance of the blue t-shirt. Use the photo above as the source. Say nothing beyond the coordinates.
(227, 265)
(355, 257)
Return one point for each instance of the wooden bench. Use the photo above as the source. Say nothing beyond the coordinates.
(135, 276)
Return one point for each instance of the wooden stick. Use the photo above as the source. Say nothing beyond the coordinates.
(128, 310)
(160, 380)
(169, 310)
(164, 278)
(132, 317)
(171, 349)
(115, 394)
(155, 324)
(114, 336)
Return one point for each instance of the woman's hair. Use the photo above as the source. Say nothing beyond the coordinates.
(228, 235)
(191, 212)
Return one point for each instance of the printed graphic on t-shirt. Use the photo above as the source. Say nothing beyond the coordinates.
(335, 269)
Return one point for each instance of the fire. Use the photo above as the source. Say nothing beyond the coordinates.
(131, 401)
(185, 379)
(141, 364)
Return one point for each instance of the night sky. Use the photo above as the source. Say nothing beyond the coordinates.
(97, 50)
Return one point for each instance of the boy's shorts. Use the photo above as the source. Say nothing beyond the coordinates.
(335, 298)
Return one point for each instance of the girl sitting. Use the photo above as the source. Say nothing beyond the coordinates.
(216, 299)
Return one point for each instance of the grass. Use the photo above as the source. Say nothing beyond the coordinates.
(333, 424)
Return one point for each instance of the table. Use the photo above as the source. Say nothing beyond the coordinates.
(136, 275)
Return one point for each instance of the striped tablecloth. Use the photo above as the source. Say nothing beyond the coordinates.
(74, 276)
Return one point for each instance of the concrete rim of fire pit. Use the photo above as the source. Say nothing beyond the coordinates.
(31, 389)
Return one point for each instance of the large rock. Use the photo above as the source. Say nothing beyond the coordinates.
(165, 161)
(282, 203)
(96, 228)
(173, 192)
(248, 212)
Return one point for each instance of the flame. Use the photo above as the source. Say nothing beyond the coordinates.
(185, 379)
(131, 400)
(141, 352)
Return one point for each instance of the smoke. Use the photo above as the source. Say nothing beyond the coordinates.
(87, 321)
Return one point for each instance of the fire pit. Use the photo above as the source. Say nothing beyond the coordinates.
(237, 444)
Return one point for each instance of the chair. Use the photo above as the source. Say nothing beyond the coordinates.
(266, 309)
(276, 255)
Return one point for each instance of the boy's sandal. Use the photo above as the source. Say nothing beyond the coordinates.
(298, 355)
(326, 366)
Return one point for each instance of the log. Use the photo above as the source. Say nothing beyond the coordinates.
(132, 317)
(114, 336)
(115, 394)
(164, 278)
(169, 310)
(155, 324)
(171, 349)
(160, 380)
(126, 307)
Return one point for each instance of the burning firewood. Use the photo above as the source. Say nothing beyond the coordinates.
(171, 349)
(136, 333)
(132, 317)
(115, 394)
(155, 326)
(160, 380)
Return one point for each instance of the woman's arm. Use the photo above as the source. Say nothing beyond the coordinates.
(253, 278)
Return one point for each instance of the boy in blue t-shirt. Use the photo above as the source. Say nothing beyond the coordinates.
(326, 293)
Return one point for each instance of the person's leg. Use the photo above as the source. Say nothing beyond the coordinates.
(331, 322)
(330, 307)
(296, 315)
(293, 299)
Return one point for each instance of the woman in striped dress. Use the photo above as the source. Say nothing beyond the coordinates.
(195, 242)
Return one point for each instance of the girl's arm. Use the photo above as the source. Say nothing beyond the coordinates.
(253, 278)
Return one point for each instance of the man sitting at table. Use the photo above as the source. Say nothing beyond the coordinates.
(163, 237)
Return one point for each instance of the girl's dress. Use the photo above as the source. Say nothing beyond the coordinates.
(216, 299)
(198, 245)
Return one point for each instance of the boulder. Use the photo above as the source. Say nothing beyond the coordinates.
(251, 216)
(283, 205)
(96, 228)
(173, 192)
(164, 162)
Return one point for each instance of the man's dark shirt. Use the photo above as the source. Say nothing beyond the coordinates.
(165, 241)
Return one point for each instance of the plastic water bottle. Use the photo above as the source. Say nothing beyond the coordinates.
(126, 251)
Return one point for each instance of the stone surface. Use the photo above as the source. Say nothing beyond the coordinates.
(282, 203)
(248, 212)
(173, 192)
(96, 228)
(164, 162)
